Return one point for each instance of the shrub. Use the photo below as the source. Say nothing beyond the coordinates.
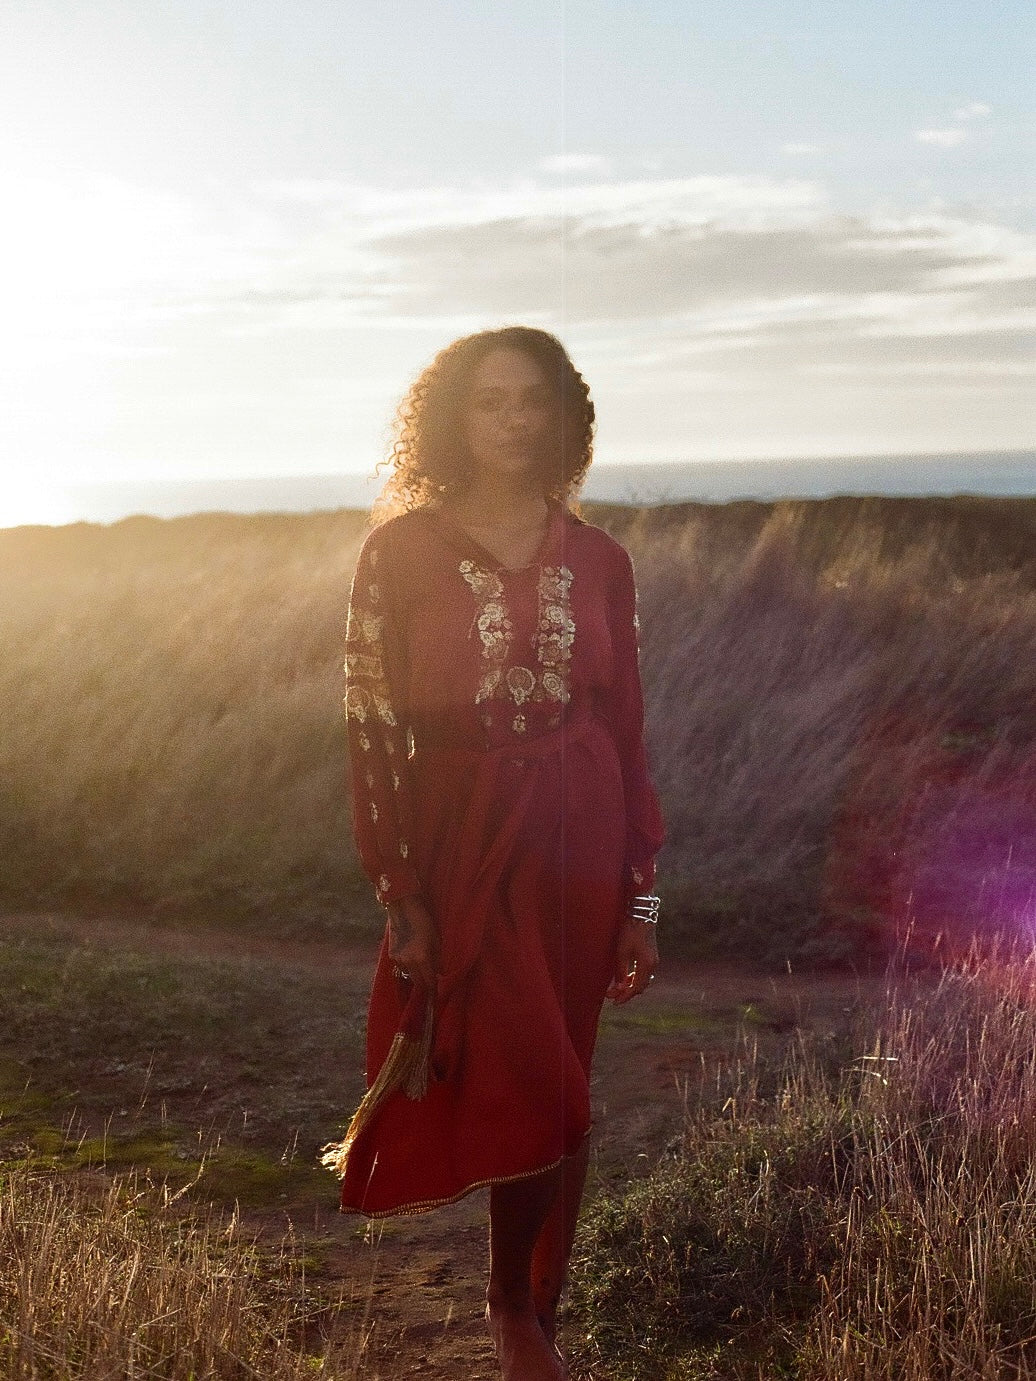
(878, 1221)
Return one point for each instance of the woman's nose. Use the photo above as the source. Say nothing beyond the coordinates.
(515, 416)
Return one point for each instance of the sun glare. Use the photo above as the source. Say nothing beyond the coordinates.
(87, 269)
(95, 236)
(23, 501)
(72, 254)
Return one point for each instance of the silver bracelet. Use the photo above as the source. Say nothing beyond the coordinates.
(645, 908)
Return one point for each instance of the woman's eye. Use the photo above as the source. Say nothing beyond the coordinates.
(493, 403)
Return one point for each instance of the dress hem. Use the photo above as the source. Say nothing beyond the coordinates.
(429, 1205)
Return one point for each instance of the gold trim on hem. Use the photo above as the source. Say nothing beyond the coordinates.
(427, 1205)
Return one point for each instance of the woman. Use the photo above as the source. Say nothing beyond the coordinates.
(503, 812)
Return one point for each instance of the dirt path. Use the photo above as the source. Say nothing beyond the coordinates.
(414, 1286)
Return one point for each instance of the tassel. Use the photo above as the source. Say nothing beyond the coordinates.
(406, 1068)
(416, 1085)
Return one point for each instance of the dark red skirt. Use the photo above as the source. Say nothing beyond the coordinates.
(522, 851)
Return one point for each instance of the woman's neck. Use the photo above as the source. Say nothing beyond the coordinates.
(502, 504)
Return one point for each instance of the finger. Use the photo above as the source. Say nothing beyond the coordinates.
(624, 964)
(642, 980)
(623, 991)
(410, 968)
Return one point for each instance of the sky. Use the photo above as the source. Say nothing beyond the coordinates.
(234, 230)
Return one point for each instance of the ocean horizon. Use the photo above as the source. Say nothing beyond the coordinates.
(993, 473)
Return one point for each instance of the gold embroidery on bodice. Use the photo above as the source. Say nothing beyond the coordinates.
(555, 632)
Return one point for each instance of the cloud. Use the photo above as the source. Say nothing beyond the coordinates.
(911, 269)
(717, 307)
(646, 200)
(951, 136)
(801, 148)
(931, 369)
(744, 273)
(943, 138)
(623, 271)
(976, 110)
(725, 266)
(591, 164)
(309, 191)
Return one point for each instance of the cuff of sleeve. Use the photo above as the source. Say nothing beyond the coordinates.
(396, 884)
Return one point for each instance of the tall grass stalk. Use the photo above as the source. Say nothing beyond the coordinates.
(105, 1282)
(874, 1222)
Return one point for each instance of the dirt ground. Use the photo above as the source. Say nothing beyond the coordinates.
(414, 1287)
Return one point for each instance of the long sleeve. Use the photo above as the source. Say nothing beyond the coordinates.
(625, 710)
(376, 717)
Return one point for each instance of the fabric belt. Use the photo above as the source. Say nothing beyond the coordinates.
(428, 743)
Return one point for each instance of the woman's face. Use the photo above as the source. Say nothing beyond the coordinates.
(511, 415)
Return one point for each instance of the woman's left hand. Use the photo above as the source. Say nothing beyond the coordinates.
(636, 960)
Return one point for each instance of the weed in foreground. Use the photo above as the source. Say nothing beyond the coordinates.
(102, 1279)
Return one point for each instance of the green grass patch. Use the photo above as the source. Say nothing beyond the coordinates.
(666, 1021)
(234, 1072)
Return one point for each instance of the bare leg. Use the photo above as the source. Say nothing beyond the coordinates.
(517, 1213)
(554, 1244)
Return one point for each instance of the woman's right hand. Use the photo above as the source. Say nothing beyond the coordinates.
(413, 942)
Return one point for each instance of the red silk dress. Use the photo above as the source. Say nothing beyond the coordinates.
(495, 727)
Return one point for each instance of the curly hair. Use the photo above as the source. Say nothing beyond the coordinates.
(430, 458)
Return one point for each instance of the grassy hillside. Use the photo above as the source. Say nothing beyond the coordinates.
(171, 699)
(841, 717)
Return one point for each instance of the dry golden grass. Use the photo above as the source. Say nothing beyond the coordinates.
(170, 695)
(816, 673)
(872, 1219)
(103, 1283)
